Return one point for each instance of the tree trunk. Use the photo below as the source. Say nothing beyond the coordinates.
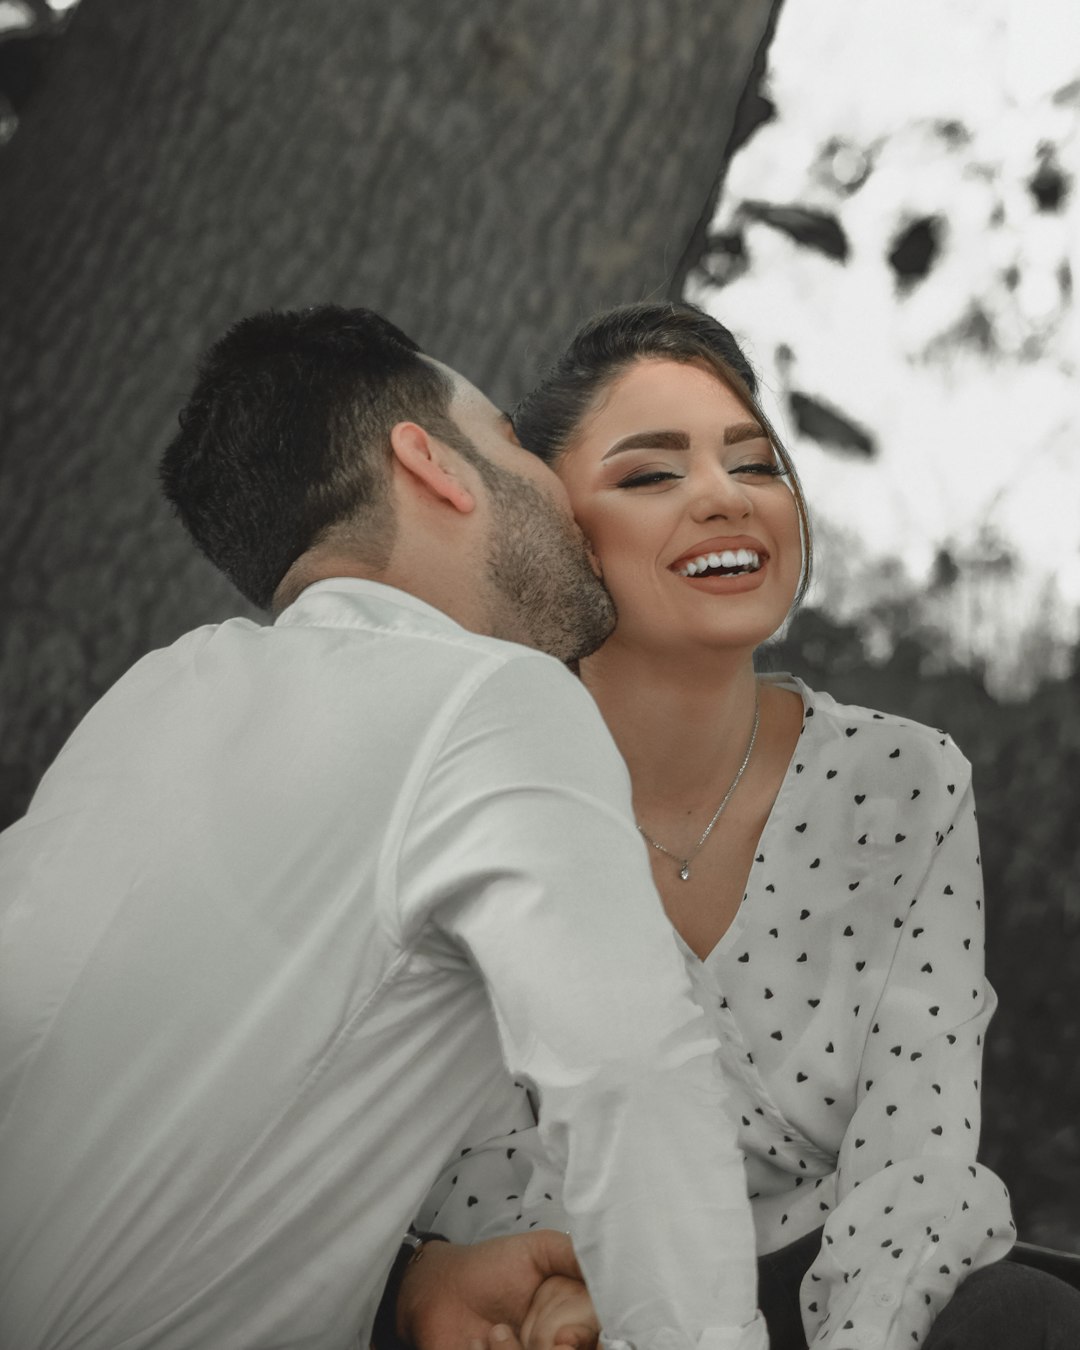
(483, 172)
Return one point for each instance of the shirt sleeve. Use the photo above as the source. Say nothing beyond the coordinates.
(916, 1212)
(521, 850)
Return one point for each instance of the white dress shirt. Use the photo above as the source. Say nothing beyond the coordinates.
(850, 1003)
(267, 922)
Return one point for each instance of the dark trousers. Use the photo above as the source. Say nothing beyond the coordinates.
(1006, 1306)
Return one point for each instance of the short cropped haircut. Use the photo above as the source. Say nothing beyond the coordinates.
(287, 434)
(547, 419)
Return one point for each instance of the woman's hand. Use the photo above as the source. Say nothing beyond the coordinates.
(561, 1313)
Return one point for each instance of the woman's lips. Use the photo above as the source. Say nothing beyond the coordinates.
(723, 566)
(716, 584)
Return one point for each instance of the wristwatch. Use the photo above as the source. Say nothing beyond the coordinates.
(384, 1332)
(415, 1243)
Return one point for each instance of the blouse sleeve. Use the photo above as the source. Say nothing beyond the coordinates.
(916, 1213)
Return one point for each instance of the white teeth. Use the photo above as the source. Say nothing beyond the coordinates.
(730, 558)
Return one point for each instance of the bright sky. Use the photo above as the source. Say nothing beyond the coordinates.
(978, 444)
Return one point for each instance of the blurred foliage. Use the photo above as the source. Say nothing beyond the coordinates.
(1026, 761)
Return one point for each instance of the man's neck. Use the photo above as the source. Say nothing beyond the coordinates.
(306, 572)
(453, 590)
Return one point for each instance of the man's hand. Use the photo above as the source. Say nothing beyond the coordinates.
(562, 1313)
(453, 1294)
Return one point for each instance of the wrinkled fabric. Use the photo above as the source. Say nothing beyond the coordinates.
(276, 912)
(850, 1002)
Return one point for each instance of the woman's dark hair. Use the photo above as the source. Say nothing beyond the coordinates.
(286, 434)
(547, 419)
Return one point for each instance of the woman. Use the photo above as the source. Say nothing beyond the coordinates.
(819, 863)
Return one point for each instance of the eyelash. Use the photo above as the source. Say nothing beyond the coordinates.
(662, 476)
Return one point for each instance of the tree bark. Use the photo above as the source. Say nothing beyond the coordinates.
(484, 172)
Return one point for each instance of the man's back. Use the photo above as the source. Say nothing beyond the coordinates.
(272, 917)
(218, 990)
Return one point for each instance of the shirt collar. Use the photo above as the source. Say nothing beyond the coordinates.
(345, 598)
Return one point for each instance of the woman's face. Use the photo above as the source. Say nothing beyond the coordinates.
(678, 489)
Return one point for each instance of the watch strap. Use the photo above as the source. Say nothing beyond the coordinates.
(384, 1332)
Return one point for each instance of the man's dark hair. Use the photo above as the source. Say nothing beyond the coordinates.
(606, 345)
(287, 433)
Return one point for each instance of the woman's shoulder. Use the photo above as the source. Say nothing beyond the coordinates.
(867, 734)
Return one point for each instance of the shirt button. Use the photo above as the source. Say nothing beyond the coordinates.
(871, 1338)
(885, 1298)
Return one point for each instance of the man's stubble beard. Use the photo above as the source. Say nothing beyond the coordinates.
(539, 567)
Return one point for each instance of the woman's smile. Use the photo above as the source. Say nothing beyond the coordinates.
(671, 473)
(724, 566)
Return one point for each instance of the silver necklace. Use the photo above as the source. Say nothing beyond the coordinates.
(684, 869)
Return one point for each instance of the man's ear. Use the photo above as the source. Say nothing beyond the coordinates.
(432, 466)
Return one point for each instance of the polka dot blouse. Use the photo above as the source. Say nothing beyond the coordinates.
(850, 1003)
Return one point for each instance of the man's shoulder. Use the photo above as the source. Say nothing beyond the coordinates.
(410, 630)
(354, 642)
(353, 604)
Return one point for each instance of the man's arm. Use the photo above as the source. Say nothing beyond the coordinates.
(524, 835)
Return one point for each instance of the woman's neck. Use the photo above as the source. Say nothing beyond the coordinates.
(682, 723)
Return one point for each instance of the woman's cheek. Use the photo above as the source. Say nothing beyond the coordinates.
(629, 580)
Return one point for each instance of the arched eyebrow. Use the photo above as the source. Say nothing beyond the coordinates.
(734, 434)
(744, 431)
(651, 440)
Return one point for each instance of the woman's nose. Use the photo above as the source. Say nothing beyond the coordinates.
(719, 495)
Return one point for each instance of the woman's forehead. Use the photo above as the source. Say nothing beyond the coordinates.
(659, 387)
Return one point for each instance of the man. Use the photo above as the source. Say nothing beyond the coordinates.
(287, 890)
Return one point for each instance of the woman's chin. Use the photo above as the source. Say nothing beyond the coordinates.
(693, 639)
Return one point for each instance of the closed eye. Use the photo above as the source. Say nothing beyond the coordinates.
(771, 470)
(644, 479)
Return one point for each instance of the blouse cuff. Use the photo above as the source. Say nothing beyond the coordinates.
(753, 1336)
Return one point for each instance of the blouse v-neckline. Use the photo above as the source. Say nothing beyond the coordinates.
(731, 934)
